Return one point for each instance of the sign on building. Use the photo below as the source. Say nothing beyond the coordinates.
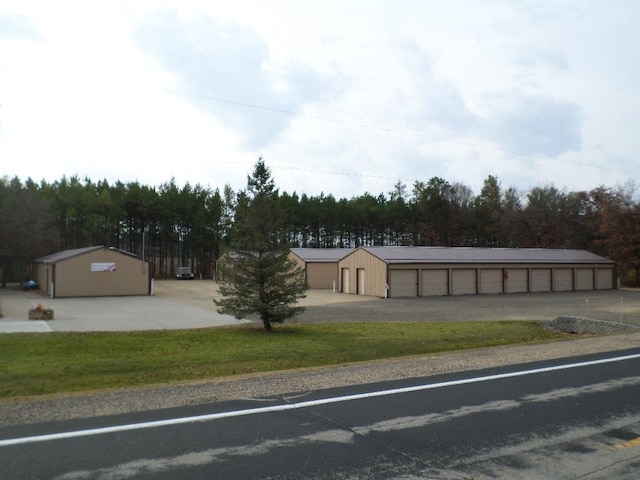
(103, 267)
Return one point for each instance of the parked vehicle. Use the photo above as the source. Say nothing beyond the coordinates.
(184, 273)
(30, 285)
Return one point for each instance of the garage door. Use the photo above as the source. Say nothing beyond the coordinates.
(403, 283)
(604, 278)
(584, 279)
(463, 281)
(517, 280)
(435, 282)
(563, 281)
(491, 280)
(541, 280)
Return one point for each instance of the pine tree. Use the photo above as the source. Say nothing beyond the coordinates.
(263, 280)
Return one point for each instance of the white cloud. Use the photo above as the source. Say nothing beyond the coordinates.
(534, 92)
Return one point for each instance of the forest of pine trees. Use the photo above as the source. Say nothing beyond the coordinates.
(172, 225)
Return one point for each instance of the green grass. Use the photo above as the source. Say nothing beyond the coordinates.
(39, 364)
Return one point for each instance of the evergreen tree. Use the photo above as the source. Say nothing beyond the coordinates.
(264, 280)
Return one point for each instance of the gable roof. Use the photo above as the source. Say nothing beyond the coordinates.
(483, 255)
(63, 255)
(321, 255)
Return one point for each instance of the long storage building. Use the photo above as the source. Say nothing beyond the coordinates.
(431, 271)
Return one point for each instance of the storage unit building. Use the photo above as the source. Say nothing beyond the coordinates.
(431, 271)
(320, 265)
(92, 272)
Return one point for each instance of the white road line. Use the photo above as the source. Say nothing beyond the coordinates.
(299, 405)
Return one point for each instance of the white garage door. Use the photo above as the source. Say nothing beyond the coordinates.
(463, 281)
(491, 280)
(564, 280)
(584, 279)
(403, 283)
(435, 282)
(517, 280)
(604, 278)
(541, 280)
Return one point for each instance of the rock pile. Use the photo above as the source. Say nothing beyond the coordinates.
(582, 326)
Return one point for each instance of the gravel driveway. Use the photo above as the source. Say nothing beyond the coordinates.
(325, 306)
(611, 305)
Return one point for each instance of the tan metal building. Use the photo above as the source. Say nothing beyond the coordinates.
(320, 265)
(431, 271)
(92, 272)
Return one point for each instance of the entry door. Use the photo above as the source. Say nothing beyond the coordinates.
(345, 280)
(361, 281)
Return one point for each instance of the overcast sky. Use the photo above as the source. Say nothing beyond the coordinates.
(339, 96)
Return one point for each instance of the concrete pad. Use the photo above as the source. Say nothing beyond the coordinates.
(19, 326)
(131, 313)
(105, 313)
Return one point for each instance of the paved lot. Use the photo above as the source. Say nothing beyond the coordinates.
(157, 312)
(188, 304)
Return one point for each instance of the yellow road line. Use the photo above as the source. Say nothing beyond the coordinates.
(630, 444)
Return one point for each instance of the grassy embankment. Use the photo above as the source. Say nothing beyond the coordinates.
(37, 364)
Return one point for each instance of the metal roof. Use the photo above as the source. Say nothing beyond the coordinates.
(56, 257)
(321, 255)
(483, 255)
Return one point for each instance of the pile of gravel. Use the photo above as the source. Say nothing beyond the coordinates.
(581, 326)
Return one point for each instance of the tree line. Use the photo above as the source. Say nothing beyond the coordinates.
(171, 225)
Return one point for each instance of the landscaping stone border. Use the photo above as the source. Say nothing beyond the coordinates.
(41, 314)
(581, 326)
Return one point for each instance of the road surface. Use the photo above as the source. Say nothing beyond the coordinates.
(568, 419)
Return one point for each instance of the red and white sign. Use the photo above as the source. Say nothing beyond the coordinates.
(103, 267)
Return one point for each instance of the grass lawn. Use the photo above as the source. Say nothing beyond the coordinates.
(45, 363)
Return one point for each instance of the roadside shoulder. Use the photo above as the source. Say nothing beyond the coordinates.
(85, 405)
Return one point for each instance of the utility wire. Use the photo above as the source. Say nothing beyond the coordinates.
(390, 130)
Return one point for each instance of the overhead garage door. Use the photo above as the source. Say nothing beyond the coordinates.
(604, 278)
(435, 282)
(491, 280)
(541, 280)
(463, 281)
(563, 281)
(584, 279)
(517, 280)
(403, 283)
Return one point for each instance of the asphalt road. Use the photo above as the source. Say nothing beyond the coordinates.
(569, 419)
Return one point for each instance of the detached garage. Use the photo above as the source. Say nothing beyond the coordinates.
(92, 272)
(432, 271)
(320, 265)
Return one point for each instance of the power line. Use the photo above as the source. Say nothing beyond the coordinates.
(392, 131)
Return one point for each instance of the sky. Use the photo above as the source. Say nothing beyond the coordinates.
(340, 97)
